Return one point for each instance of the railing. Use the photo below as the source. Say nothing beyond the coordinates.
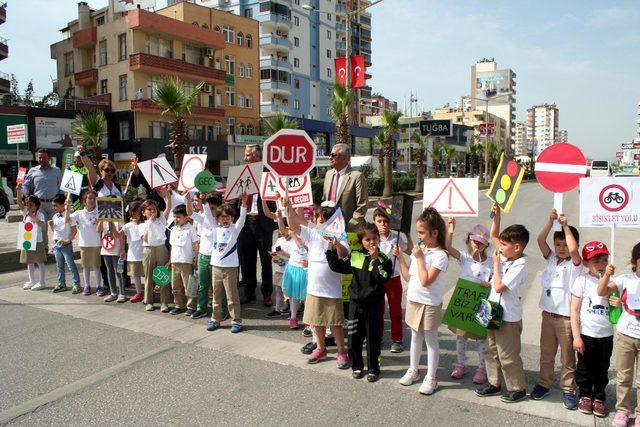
(5, 76)
(138, 60)
(98, 102)
(150, 105)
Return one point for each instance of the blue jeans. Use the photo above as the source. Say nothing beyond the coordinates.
(111, 261)
(64, 255)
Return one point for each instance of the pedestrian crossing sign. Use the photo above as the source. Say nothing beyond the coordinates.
(71, 182)
(334, 226)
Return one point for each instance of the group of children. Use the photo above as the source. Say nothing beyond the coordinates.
(577, 287)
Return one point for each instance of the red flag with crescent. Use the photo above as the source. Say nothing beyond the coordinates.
(341, 70)
(357, 71)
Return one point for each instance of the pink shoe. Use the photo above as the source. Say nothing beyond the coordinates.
(458, 371)
(342, 360)
(480, 376)
(136, 298)
(293, 323)
(621, 419)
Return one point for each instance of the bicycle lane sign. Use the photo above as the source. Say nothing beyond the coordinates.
(609, 202)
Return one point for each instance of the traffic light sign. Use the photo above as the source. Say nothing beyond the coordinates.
(506, 182)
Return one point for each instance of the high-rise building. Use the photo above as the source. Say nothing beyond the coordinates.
(498, 87)
(542, 126)
(464, 103)
(380, 103)
(520, 145)
(563, 136)
(5, 80)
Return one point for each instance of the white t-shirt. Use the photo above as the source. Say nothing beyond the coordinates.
(156, 236)
(475, 271)
(281, 242)
(322, 281)
(594, 309)
(40, 217)
(224, 252)
(116, 249)
(388, 243)
(88, 236)
(106, 192)
(556, 283)
(176, 200)
(430, 295)
(61, 228)
(134, 253)
(629, 324)
(181, 240)
(206, 225)
(297, 254)
(514, 277)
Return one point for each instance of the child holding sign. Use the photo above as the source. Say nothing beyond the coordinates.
(63, 235)
(30, 207)
(475, 267)
(134, 249)
(86, 220)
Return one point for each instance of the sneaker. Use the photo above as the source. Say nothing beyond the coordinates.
(293, 323)
(60, 287)
(599, 410)
(514, 396)
(177, 310)
(343, 360)
(429, 385)
(372, 378)
(38, 286)
(306, 332)
(136, 298)
(357, 374)
(212, 326)
(164, 308)
(410, 377)
(274, 313)
(76, 289)
(458, 371)
(235, 327)
(396, 347)
(100, 291)
(189, 312)
(86, 291)
(570, 401)
(111, 298)
(316, 356)
(28, 285)
(121, 299)
(539, 392)
(621, 419)
(480, 376)
(150, 307)
(585, 405)
(198, 314)
(488, 390)
(308, 348)
(286, 308)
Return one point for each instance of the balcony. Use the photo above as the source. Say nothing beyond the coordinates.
(3, 13)
(154, 23)
(273, 109)
(4, 49)
(279, 44)
(273, 20)
(86, 77)
(86, 38)
(340, 27)
(5, 83)
(149, 106)
(272, 87)
(271, 62)
(168, 66)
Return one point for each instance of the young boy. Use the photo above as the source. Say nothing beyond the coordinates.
(63, 235)
(184, 244)
(563, 266)
(393, 287)
(503, 344)
(592, 331)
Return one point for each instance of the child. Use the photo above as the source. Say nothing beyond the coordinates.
(294, 280)
(563, 266)
(503, 344)
(184, 243)
(225, 263)
(134, 251)
(86, 219)
(323, 304)
(475, 267)
(63, 235)
(393, 287)
(371, 269)
(592, 331)
(280, 257)
(424, 299)
(628, 328)
(110, 257)
(30, 207)
(154, 251)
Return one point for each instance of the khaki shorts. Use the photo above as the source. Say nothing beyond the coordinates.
(33, 257)
(90, 257)
(320, 311)
(135, 269)
(423, 316)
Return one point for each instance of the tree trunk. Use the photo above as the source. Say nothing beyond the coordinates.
(419, 172)
(97, 153)
(178, 142)
(472, 165)
(388, 169)
(381, 162)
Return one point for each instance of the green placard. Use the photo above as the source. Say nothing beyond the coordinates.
(205, 181)
(161, 275)
(462, 308)
(354, 245)
(67, 158)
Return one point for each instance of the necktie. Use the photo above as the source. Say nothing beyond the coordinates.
(334, 188)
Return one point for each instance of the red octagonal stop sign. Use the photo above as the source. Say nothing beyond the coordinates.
(290, 152)
(560, 167)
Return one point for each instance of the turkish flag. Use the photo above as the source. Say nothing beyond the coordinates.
(357, 71)
(341, 70)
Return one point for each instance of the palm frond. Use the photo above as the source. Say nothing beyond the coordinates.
(91, 127)
(275, 123)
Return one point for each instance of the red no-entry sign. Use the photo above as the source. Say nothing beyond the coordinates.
(289, 153)
(560, 167)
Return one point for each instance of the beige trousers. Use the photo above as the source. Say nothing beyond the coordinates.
(556, 332)
(503, 354)
(627, 351)
(153, 256)
(225, 281)
(180, 274)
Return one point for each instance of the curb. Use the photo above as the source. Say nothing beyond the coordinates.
(10, 261)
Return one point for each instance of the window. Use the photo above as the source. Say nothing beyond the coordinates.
(196, 132)
(192, 54)
(328, 17)
(248, 102)
(241, 100)
(231, 126)
(241, 70)
(159, 46)
(123, 87)
(102, 52)
(218, 98)
(188, 87)
(249, 41)
(230, 94)
(218, 128)
(296, 21)
(296, 62)
(217, 64)
(296, 83)
(296, 104)
(249, 129)
(103, 87)
(229, 34)
(157, 130)
(248, 13)
(248, 71)
(68, 63)
(328, 53)
(296, 42)
(122, 47)
(241, 129)
(230, 63)
(124, 130)
(100, 20)
(328, 72)
(328, 35)
(216, 29)
(297, 2)
(152, 86)
(240, 39)
(205, 26)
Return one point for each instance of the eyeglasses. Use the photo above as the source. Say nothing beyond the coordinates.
(332, 155)
(109, 170)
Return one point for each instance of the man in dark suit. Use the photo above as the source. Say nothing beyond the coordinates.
(256, 236)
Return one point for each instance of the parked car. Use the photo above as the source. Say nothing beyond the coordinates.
(5, 205)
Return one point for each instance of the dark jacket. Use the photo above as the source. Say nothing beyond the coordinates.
(266, 223)
(369, 276)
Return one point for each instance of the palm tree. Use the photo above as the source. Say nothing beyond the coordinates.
(390, 124)
(472, 151)
(492, 150)
(480, 157)
(419, 158)
(436, 156)
(279, 121)
(175, 102)
(91, 127)
(340, 110)
(461, 158)
(379, 140)
(449, 152)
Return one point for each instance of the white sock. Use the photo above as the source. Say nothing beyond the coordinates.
(417, 338)
(433, 353)
(293, 305)
(86, 276)
(98, 276)
(138, 284)
(461, 350)
(481, 346)
(41, 267)
(31, 271)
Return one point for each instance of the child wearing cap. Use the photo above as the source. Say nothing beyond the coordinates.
(563, 266)
(592, 332)
(475, 267)
(628, 337)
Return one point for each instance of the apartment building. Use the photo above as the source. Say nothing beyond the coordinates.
(477, 119)
(520, 145)
(380, 103)
(542, 126)
(5, 79)
(563, 135)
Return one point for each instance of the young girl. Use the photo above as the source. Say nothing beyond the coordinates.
(475, 267)
(154, 251)
(294, 281)
(30, 208)
(628, 337)
(86, 220)
(134, 251)
(424, 299)
(110, 257)
(280, 257)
